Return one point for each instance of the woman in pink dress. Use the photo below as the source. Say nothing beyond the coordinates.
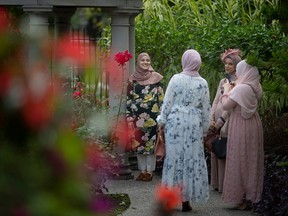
(230, 59)
(244, 172)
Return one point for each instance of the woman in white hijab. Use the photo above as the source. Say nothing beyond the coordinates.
(185, 120)
(244, 173)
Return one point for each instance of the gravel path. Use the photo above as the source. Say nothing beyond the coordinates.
(143, 203)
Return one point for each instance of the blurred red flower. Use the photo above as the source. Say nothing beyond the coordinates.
(121, 134)
(169, 198)
(73, 48)
(40, 100)
(4, 19)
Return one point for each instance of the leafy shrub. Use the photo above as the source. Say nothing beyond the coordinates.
(275, 197)
(165, 30)
(275, 193)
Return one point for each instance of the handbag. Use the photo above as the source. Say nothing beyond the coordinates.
(219, 147)
(160, 149)
(212, 134)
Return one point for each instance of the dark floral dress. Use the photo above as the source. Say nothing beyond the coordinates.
(142, 108)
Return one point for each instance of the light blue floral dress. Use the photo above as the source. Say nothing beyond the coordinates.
(185, 115)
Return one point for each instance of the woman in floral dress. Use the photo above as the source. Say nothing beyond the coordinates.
(185, 120)
(144, 99)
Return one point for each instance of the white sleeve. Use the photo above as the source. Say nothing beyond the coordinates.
(167, 103)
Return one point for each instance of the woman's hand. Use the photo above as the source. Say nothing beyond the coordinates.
(227, 87)
(212, 122)
(160, 130)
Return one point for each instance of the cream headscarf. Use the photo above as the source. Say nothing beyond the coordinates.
(145, 77)
(248, 90)
(191, 62)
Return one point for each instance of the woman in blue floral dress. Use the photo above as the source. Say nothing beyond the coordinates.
(185, 120)
(144, 99)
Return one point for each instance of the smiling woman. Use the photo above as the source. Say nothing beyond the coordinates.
(144, 99)
(145, 62)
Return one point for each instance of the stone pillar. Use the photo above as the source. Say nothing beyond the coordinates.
(123, 37)
(132, 43)
(38, 28)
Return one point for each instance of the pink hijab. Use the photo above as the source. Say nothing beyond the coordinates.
(248, 90)
(145, 77)
(191, 62)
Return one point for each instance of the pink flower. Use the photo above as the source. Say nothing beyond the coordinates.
(122, 58)
(140, 123)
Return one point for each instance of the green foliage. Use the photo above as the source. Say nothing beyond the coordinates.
(167, 28)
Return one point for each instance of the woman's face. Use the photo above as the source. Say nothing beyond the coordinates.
(229, 66)
(144, 63)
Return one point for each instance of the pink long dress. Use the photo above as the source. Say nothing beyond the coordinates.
(245, 156)
(217, 165)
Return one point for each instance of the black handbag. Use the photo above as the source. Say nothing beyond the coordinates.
(219, 146)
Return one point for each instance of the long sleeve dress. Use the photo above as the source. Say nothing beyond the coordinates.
(245, 155)
(218, 165)
(142, 108)
(185, 116)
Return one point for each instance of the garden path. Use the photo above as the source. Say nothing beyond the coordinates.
(143, 203)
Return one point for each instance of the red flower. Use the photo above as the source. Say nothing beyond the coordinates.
(169, 198)
(4, 19)
(76, 94)
(122, 58)
(37, 113)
